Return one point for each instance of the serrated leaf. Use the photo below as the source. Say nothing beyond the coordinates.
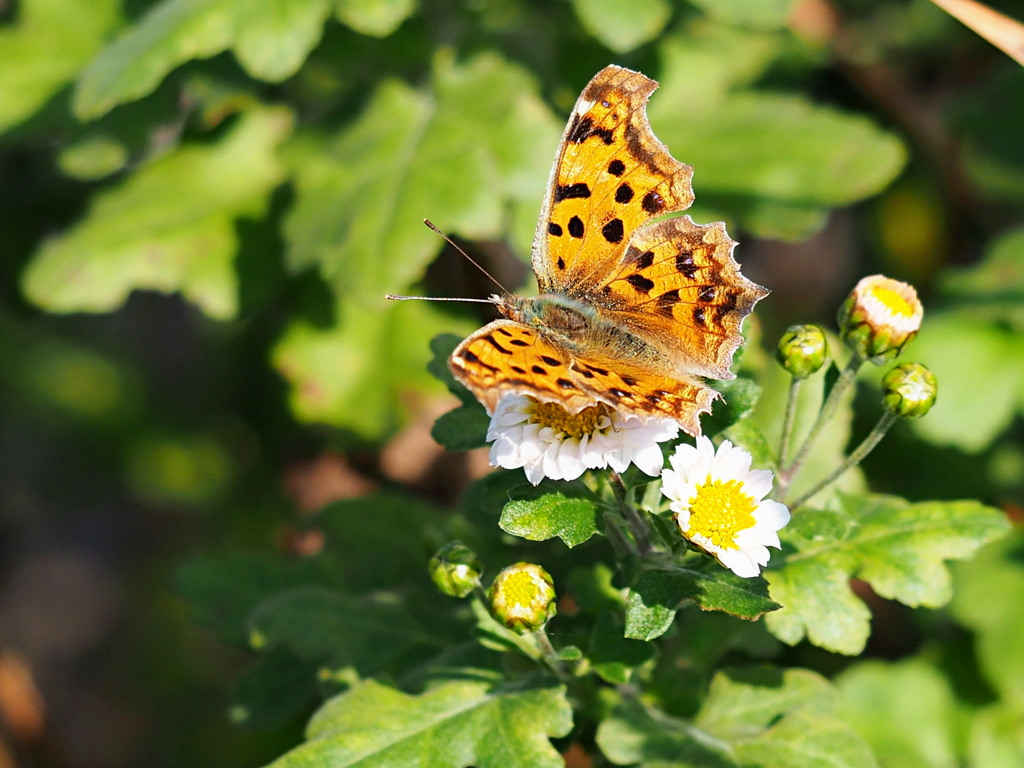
(659, 592)
(270, 39)
(458, 153)
(44, 49)
(484, 723)
(899, 548)
(573, 519)
(171, 226)
(761, 717)
(623, 26)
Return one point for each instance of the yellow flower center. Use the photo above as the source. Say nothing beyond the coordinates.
(575, 425)
(893, 301)
(720, 510)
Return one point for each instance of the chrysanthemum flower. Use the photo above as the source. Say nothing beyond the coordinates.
(548, 441)
(719, 504)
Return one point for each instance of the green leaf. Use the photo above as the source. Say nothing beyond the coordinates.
(573, 519)
(276, 688)
(477, 722)
(659, 592)
(221, 593)
(459, 154)
(614, 656)
(377, 18)
(760, 717)
(623, 26)
(462, 429)
(994, 288)
(394, 526)
(899, 548)
(905, 710)
(172, 226)
(739, 396)
(368, 633)
(979, 367)
(355, 375)
(988, 600)
(44, 50)
(270, 39)
(764, 14)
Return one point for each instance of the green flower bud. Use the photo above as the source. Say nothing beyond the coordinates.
(879, 318)
(909, 390)
(802, 350)
(523, 597)
(455, 569)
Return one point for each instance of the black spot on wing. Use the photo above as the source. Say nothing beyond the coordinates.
(583, 128)
(539, 370)
(706, 294)
(667, 301)
(491, 340)
(613, 231)
(554, 230)
(640, 283)
(519, 343)
(616, 167)
(698, 315)
(561, 263)
(685, 264)
(550, 360)
(576, 228)
(623, 194)
(565, 384)
(653, 203)
(571, 191)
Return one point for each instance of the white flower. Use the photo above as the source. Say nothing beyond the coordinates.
(719, 504)
(548, 441)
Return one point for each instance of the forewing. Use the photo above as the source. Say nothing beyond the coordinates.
(611, 175)
(679, 288)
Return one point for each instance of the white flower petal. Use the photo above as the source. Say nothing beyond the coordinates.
(693, 468)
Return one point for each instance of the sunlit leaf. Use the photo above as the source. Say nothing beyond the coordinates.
(484, 723)
(659, 592)
(43, 51)
(171, 226)
(762, 717)
(457, 154)
(573, 519)
(899, 548)
(623, 26)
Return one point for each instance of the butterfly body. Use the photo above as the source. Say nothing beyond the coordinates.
(634, 308)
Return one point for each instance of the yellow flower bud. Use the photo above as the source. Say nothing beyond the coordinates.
(879, 318)
(523, 597)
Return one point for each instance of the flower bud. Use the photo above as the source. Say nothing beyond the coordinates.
(909, 390)
(523, 597)
(455, 569)
(879, 318)
(802, 350)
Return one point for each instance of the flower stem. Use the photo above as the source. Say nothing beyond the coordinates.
(637, 525)
(787, 423)
(884, 423)
(828, 410)
(549, 654)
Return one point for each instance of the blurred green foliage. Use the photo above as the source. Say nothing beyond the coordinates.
(269, 166)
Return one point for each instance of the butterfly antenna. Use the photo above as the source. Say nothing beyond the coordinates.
(469, 258)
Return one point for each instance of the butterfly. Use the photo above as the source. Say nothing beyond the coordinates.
(635, 308)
